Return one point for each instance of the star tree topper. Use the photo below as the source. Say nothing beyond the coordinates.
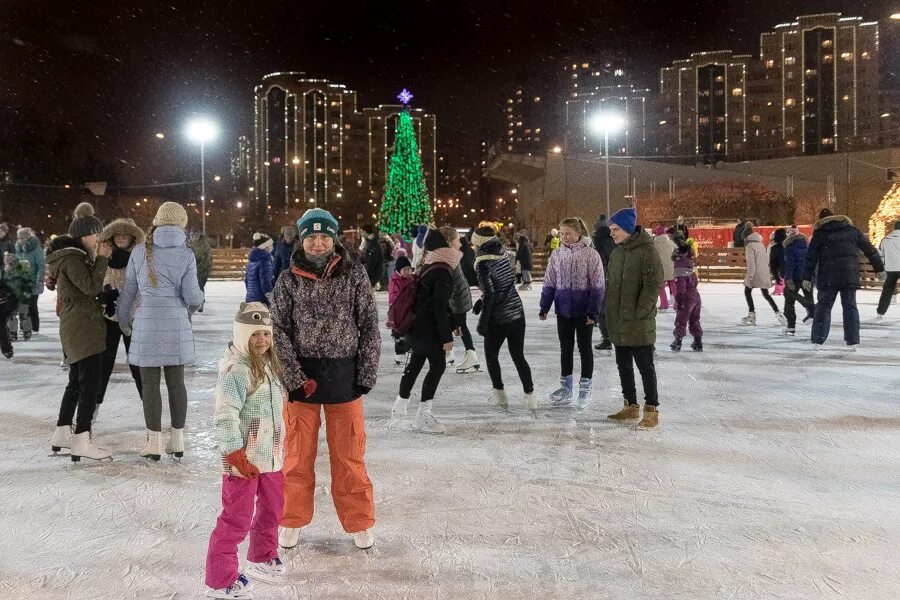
(404, 97)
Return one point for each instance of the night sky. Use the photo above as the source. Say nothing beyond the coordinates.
(113, 73)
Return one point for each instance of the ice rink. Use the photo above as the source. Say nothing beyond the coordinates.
(775, 473)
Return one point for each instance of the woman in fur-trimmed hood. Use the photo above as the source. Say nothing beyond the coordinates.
(122, 235)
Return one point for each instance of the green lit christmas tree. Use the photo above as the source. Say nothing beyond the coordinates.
(405, 203)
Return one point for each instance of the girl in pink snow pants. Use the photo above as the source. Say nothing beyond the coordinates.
(250, 432)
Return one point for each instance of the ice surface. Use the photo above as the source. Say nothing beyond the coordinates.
(775, 473)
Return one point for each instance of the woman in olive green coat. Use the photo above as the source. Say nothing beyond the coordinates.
(634, 277)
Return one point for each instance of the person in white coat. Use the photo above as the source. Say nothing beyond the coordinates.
(665, 247)
(890, 252)
(758, 275)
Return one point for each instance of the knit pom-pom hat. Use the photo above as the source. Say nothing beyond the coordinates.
(84, 223)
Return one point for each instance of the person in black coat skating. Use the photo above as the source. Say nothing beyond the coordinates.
(467, 264)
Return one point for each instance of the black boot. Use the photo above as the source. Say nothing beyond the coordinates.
(697, 346)
(675, 346)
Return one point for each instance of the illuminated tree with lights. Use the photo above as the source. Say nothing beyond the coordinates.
(405, 202)
(882, 222)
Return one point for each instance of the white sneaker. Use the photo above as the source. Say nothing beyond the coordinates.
(175, 445)
(750, 319)
(242, 589)
(153, 447)
(425, 421)
(499, 399)
(781, 319)
(82, 446)
(270, 571)
(288, 537)
(399, 409)
(469, 363)
(62, 438)
(364, 539)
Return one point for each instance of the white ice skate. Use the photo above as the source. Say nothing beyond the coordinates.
(399, 409)
(584, 392)
(270, 571)
(83, 447)
(499, 399)
(153, 447)
(175, 445)
(288, 537)
(750, 319)
(563, 395)
(399, 360)
(531, 403)
(852, 347)
(425, 421)
(450, 357)
(364, 539)
(242, 589)
(62, 438)
(469, 363)
(878, 318)
(790, 331)
(781, 319)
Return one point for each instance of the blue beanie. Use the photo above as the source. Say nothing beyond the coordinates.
(420, 235)
(317, 220)
(626, 219)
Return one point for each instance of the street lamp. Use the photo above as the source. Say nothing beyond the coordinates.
(895, 16)
(202, 130)
(606, 123)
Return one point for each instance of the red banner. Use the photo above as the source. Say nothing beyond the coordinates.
(723, 237)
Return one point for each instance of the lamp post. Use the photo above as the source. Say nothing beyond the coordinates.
(202, 130)
(606, 123)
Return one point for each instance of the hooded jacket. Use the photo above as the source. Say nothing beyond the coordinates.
(665, 247)
(757, 263)
(433, 323)
(603, 242)
(833, 255)
(248, 416)
(159, 315)
(794, 256)
(524, 254)
(32, 251)
(890, 251)
(573, 282)
(118, 262)
(325, 327)
(260, 276)
(500, 300)
(632, 287)
(79, 280)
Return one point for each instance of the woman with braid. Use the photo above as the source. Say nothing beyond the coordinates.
(159, 294)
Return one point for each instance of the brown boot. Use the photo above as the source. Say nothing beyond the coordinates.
(651, 418)
(629, 413)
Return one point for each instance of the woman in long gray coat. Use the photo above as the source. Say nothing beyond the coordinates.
(159, 294)
(758, 275)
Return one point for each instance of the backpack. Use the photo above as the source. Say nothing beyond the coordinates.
(402, 312)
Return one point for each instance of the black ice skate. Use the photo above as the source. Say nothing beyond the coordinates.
(697, 346)
(675, 346)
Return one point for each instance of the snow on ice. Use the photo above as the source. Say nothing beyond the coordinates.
(775, 473)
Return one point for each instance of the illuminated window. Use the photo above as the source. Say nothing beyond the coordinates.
(737, 91)
(720, 78)
(827, 141)
(826, 43)
(770, 64)
(810, 72)
(335, 125)
(537, 98)
(791, 144)
(846, 97)
(703, 120)
(827, 58)
(789, 60)
(585, 65)
(847, 56)
(718, 146)
(538, 130)
(348, 172)
(789, 102)
(756, 118)
(347, 126)
(619, 73)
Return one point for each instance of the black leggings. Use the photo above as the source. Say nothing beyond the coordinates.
(569, 330)
(437, 363)
(514, 334)
(81, 393)
(765, 294)
(113, 334)
(460, 320)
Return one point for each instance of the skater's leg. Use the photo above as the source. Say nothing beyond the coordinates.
(152, 397)
(887, 291)
(25, 319)
(601, 323)
(70, 397)
(790, 297)
(466, 336)
(177, 395)
(113, 335)
(851, 316)
(768, 297)
(695, 304)
(626, 373)
(89, 370)
(682, 315)
(822, 321)
(301, 422)
(269, 506)
(566, 331)
(583, 333)
(5, 344)
(643, 357)
(351, 487)
(748, 296)
(231, 529)
(437, 364)
(34, 315)
(411, 372)
(663, 298)
(516, 339)
(135, 371)
(493, 341)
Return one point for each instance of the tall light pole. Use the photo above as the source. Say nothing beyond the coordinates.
(202, 130)
(606, 123)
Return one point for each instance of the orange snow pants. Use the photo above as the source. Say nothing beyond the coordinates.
(351, 488)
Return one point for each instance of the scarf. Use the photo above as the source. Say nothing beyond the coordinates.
(443, 255)
(317, 263)
(119, 258)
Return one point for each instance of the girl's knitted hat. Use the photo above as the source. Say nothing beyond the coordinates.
(250, 318)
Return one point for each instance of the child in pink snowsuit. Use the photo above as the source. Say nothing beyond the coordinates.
(687, 298)
(249, 428)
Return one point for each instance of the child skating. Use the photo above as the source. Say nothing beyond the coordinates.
(250, 432)
(687, 297)
(402, 282)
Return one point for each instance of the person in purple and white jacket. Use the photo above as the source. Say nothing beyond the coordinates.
(574, 282)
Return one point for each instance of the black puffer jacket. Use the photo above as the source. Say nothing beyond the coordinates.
(776, 254)
(432, 325)
(467, 264)
(833, 255)
(501, 302)
(603, 242)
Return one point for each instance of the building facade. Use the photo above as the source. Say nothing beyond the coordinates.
(631, 104)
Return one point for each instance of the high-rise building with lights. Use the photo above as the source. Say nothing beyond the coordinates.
(242, 166)
(588, 77)
(313, 147)
(526, 119)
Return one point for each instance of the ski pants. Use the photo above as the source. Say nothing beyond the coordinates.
(351, 488)
(239, 518)
(20, 319)
(663, 298)
(687, 315)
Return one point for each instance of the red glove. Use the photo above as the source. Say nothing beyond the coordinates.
(238, 459)
(309, 387)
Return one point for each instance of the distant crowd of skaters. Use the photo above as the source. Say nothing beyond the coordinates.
(307, 338)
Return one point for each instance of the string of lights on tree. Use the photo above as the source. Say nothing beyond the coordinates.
(405, 203)
(882, 221)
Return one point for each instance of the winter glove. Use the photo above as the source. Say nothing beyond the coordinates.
(108, 298)
(807, 285)
(791, 285)
(238, 459)
(304, 392)
(881, 276)
(361, 390)
(476, 308)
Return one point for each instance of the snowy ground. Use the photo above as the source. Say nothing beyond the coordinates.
(775, 473)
